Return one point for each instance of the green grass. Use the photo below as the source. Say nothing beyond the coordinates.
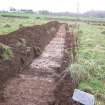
(6, 52)
(92, 50)
(32, 20)
(93, 86)
(91, 60)
(15, 22)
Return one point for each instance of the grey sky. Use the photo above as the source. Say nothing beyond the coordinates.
(54, 5)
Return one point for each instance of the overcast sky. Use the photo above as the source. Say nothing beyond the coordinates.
(54, 5)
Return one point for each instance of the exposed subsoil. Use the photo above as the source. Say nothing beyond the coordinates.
(27, 44)
(46, 81)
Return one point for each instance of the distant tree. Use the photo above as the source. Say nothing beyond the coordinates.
(27, 10)
(12, 9)
(99, 14)
(44, 12)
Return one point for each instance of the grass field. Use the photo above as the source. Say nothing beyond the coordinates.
(33, 19)
(90, 67)
(8, 24)
(92, 51)
(89, 70)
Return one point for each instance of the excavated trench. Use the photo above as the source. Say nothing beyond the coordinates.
(46, 81)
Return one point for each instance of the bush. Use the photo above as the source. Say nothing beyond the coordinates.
(78, 73)
(7, 26)
(103, 32)
(5, 52)
(38, 18)
(21, 26)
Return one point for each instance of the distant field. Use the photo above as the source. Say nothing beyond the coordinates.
(12, 21)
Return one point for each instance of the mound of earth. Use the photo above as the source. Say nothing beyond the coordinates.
(26, 43)
(38, 73)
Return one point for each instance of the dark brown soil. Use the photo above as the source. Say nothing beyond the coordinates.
(47, 80)
(27, 43)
